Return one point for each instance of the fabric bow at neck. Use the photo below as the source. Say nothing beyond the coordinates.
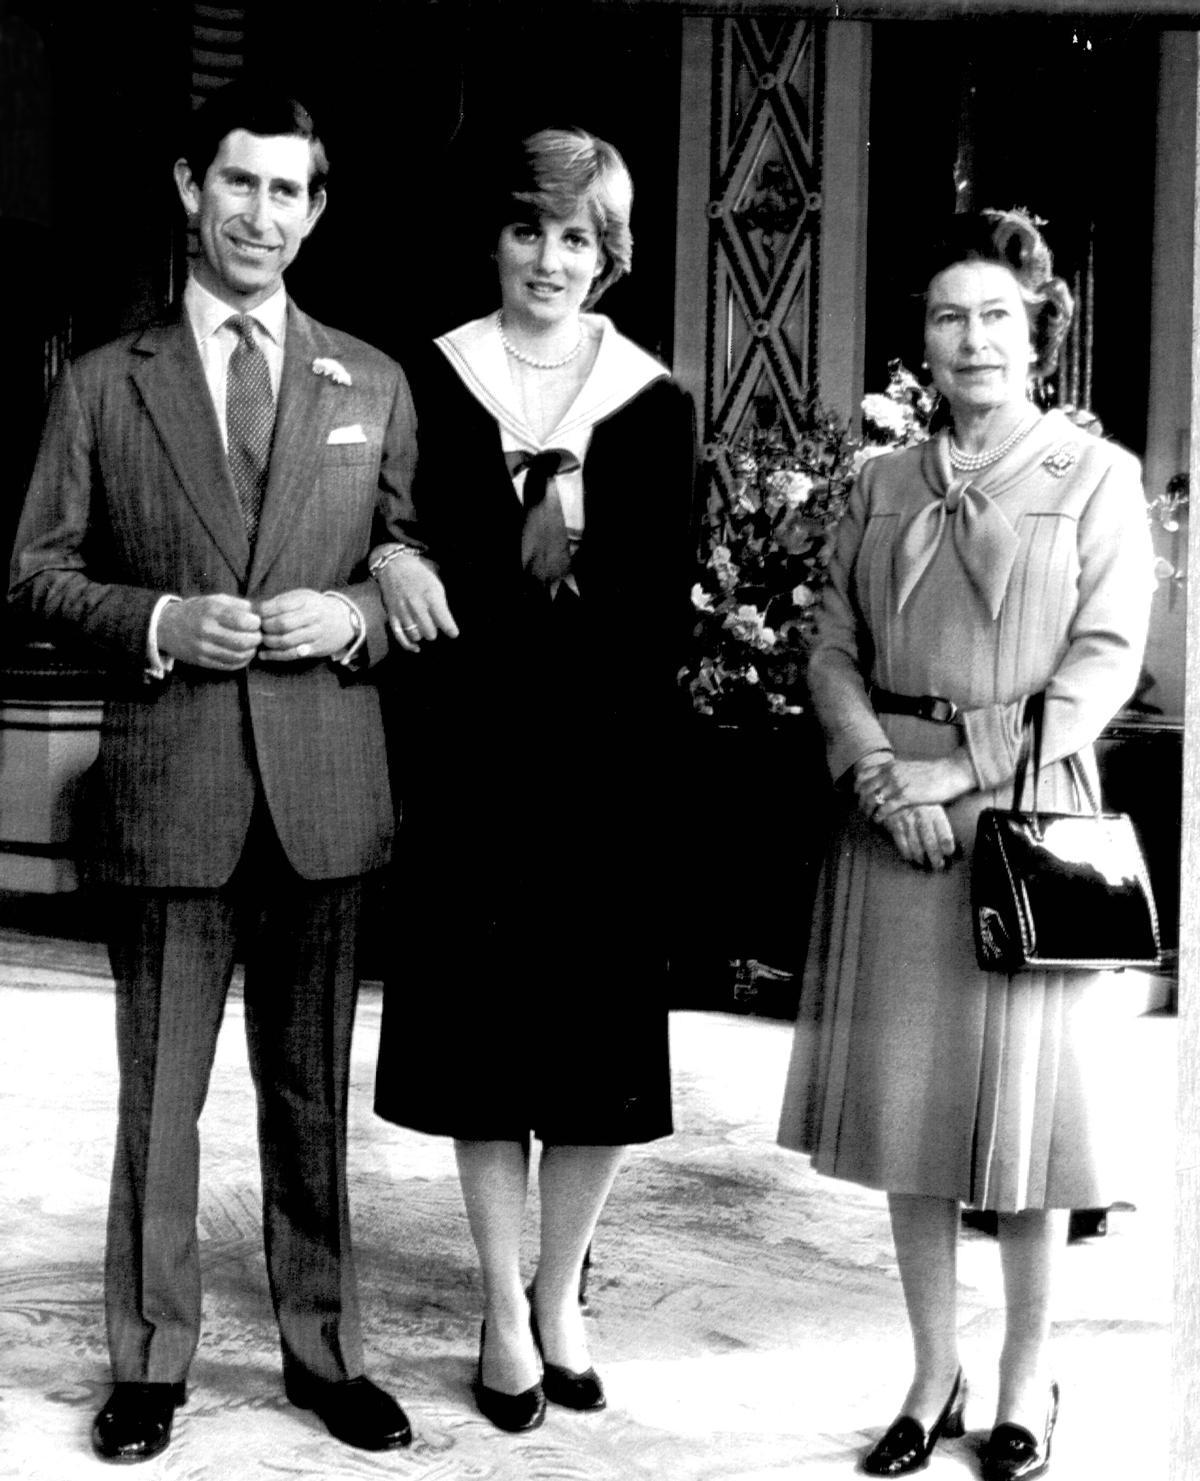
(545, 548)
(985, 541)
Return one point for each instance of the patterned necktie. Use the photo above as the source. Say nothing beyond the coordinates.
(545, 549)
(249, 420)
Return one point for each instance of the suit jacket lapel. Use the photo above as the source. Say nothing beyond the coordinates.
(171, 383)
(301, 427)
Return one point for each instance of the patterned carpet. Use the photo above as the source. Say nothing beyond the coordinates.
(746, 1314)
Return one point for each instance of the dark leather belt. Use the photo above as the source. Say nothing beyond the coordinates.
(922, 706)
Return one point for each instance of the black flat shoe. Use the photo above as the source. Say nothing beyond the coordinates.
(906, 1448)
(580, 1391)
(512, 1412)
(1012, 1453)
(355, 1411)
(135, 1423)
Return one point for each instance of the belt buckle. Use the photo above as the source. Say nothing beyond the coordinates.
(940, 711)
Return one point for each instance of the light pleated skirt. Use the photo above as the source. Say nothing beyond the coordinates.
(915, 1072)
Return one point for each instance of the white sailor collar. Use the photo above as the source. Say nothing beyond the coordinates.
(622, 370)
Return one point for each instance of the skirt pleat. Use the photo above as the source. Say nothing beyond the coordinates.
(913, 1071)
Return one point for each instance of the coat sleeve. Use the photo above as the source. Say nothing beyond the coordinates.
(1107, 636)
(398, 497)
(394, 514)
(841, 650)
(681, 483)
(58, 538)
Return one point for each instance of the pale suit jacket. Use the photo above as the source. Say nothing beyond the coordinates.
(131, 497)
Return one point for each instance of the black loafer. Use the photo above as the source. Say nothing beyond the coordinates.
(135, 1423)
(905, 1447)
(355, 1411)
(1011, 1452)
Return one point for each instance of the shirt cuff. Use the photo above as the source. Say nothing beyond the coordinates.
(158, 666)
(357, 621)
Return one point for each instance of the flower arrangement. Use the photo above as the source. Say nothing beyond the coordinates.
(1168, 511)
(765, 549)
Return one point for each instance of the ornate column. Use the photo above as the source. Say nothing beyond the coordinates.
(771, 228)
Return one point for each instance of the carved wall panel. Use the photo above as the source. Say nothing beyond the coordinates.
(763, 225)
(218, 47)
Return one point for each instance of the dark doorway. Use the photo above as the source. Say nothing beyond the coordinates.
(1053, 114)
(415, 98)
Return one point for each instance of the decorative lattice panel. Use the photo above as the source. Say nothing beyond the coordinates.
(763, 222)
(218, 47)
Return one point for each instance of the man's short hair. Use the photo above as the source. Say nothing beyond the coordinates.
(258, 109)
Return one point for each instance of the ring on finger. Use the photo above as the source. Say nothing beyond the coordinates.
(409, 627)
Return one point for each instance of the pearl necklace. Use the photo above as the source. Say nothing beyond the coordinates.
(532, 360)
(975, 462)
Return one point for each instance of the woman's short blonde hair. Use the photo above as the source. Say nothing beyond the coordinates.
(556, 172)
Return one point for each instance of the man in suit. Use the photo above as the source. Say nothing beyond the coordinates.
(200, 515)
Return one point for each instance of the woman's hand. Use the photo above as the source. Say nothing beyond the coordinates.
(890, 786)
(905, 799)
(415, 600)
(923, 835)
(870, 772)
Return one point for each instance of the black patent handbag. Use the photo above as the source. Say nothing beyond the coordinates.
(1060, 891)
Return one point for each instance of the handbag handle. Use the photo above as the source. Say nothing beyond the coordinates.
(1035, 707)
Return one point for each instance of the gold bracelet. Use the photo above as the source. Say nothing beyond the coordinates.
(374, 567)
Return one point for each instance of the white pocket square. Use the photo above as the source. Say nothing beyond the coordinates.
(347, 434)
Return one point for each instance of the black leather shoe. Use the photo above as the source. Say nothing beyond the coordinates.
(135, 1424)
(512, 1412)
(1087, 1223)
(355, 1411)
(1012, 1453)
(906, 1448)
(581, 1391)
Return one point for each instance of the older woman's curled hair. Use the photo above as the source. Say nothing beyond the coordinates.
(555, 172)
(1012, 239)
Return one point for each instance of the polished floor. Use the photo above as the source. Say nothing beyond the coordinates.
(746, 1314)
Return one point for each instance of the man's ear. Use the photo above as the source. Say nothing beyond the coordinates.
(316, 204)
(189, 191)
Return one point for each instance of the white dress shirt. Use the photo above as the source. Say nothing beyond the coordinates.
(216, 341)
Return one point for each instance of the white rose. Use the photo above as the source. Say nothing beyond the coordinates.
(881, 411)
(793, 485)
